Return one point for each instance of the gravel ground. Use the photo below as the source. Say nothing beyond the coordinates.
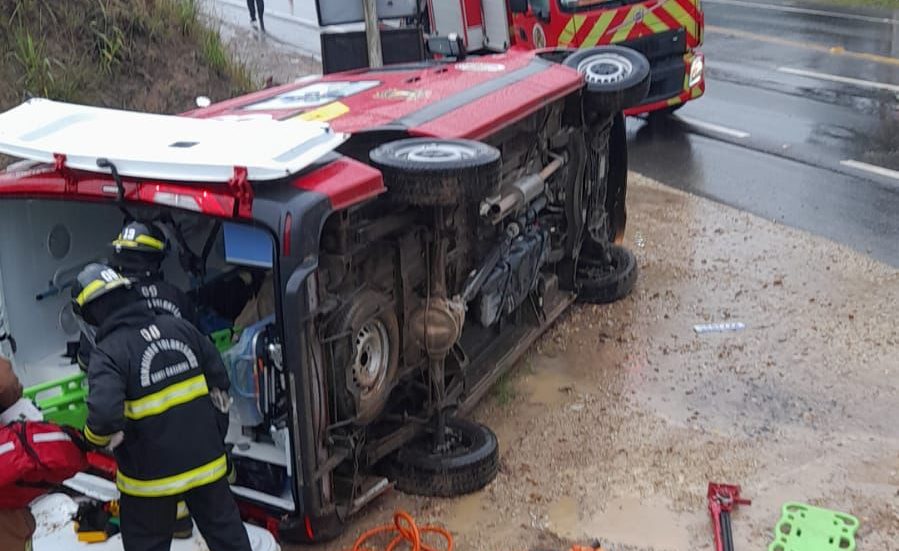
(614, 424)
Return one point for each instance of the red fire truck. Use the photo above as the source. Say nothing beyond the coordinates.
(668, 32)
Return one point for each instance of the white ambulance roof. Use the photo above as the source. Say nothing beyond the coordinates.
(144, 145)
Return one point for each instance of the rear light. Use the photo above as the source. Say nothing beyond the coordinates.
(696, 69)
(187, 198)
(176, 200)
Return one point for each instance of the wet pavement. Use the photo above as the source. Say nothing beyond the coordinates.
(613, 425)
(799, 123)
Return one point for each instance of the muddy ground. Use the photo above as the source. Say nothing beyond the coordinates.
(613, 425)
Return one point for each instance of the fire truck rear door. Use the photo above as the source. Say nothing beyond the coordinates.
(496, 25)
(447, 17)
(462, 17)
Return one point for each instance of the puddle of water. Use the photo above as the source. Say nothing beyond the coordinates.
(556, 381)
(626, 521)
(564, 520)
(549, 387)
(465, 512)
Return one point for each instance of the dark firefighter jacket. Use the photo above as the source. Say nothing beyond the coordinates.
(160, 295)
(150, 377)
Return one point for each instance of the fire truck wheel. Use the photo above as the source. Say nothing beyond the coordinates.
(616, 77)
(605, 277)
(469, 462)
(365, 355)
(434, 172)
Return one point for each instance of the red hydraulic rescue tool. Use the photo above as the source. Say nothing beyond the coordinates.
(722, 500)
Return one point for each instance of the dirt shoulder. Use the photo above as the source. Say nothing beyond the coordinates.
(614, 424)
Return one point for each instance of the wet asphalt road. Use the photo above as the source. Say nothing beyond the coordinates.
(799, 124)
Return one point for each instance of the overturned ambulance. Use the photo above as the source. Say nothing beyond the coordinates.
(369, 250)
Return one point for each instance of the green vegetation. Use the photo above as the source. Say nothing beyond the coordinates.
(504, 390)
(153, 55)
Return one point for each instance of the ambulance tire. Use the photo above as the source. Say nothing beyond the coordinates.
(616, 77)
(365, 356)
(430, 172)
(470, 462)
(602, 278)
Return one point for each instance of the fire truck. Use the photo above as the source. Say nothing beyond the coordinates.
(668, 32)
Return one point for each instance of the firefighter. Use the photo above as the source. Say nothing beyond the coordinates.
(138, 253)
(158, 394)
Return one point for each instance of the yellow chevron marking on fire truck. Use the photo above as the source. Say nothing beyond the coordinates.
(652, 21)
(565, 37)
(680, 14)
(599, 29)
(625, 29)
(571, 29)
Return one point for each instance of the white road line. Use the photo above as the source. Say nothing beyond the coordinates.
(874, 169)
(837, 78)
(739, 134)
(807, 11)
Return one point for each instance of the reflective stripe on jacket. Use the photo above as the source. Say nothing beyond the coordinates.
(150, 377)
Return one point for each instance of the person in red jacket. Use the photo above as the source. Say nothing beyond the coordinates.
(34, 457)
(16, 524)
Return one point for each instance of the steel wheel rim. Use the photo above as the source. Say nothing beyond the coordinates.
(372, 356)
(605, 68)
(436, 152)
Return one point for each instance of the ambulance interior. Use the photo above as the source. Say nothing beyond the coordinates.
(224, 267)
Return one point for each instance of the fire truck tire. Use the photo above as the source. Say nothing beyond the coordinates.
(470, 463)
(605, 278)
(617, 77)
(365, 355)
(434, 172)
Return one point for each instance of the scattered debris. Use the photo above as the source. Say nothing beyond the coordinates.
(719, 327)
(639, 240)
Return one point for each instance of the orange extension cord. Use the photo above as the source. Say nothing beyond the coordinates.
(407, 531)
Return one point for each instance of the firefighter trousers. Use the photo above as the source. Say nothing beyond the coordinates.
(148, 523)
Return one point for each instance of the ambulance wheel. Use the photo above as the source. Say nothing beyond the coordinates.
(605, 274)
(469, 462)
(616, 77)
(365, 355)
(437, 173)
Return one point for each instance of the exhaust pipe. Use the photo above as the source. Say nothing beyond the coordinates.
(519, 193)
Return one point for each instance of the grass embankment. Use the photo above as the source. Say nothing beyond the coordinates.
(148, 55)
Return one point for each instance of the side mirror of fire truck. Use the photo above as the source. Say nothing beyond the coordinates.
(518, 6)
